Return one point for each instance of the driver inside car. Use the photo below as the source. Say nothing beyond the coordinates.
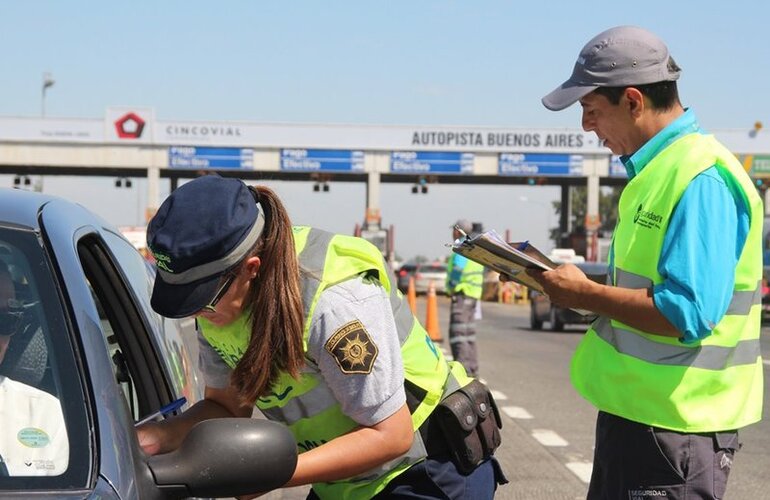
(33, 436)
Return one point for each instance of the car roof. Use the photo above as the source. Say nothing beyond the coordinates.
(592, 267)
(21, 207)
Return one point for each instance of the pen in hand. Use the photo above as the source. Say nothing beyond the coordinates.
(164, 410)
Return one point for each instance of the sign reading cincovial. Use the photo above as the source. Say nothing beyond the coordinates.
(431, 162)
(322, 160)
(193, 157)
(542, 164)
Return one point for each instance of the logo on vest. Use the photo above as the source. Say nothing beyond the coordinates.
(647, 494)
(352, 348)
(647, 218)
(279, 396)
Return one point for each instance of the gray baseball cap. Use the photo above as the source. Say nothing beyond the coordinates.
(465, 225)
(623, 56)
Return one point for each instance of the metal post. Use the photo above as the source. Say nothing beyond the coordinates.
(48, 81)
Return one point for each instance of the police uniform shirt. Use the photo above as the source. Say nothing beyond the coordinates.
(33, 436)
(353, 341)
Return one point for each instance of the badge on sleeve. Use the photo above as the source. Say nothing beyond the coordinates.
(352, 348)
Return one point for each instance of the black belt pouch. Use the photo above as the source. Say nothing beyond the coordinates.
(470, 424)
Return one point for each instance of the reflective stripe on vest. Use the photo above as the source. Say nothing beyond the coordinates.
(710, 385)
(308, 405)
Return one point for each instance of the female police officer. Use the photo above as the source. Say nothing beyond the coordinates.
(308, 326)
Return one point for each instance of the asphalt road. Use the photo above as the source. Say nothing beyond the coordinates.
(548, 429)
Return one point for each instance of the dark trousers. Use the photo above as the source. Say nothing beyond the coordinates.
(462, 333)
(435, 478)
(634, 461)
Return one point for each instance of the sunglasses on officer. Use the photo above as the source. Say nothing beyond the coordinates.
(212, 306)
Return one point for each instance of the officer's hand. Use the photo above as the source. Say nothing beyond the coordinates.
(563, 285)
(150, 437)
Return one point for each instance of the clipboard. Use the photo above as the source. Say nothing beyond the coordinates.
(511, 259)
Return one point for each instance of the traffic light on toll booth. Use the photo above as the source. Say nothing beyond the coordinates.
(537, 181)
(761, 185)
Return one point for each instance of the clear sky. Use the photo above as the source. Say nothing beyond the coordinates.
(375, 62)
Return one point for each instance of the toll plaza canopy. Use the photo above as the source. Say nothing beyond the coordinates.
(130, 141)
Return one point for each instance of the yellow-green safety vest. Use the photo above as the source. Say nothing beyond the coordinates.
(713, 384)
(308, 406)
(471, 280)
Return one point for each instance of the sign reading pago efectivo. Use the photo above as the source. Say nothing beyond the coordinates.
(322, 160)
(617, 169)
(431, 162)
(540, 164)
(194, 157)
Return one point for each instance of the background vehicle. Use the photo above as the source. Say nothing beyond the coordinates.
(423, 274)
(89, 338)
(543, 311)
(403, 274)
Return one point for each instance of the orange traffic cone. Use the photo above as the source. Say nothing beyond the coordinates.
(431, 316)
(411, 296)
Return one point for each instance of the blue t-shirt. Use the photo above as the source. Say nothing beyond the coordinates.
(704, 240)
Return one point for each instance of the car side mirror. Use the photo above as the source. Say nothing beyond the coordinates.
(227, 457)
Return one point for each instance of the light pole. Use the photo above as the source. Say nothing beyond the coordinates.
(48, 81)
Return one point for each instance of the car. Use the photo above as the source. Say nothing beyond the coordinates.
(404, 274)
(428, 273)
(423, 274)
(84, 339)
(543, 311)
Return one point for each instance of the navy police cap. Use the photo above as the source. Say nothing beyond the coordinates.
(202, 230)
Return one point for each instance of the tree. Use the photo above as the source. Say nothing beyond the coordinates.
(608, 210)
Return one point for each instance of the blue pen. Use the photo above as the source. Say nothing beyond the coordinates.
(164, 410)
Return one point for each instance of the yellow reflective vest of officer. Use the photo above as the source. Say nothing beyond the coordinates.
(713, 384)
(471, 279)
(309, 408)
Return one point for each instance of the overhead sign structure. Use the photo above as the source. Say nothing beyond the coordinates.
(322, 160)
(429, 162)
(193, 157)
(540, 164)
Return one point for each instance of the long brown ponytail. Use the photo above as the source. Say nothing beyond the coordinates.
(276, 311)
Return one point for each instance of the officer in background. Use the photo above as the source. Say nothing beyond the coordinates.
(464, 281)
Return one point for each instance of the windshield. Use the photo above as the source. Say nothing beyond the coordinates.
(41, 410)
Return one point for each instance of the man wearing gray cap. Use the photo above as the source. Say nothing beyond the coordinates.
(672, 363)
(464, 281)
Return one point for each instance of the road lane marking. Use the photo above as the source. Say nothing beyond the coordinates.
(547, 437)
(499, 396)
(582, 470)
(516, 412)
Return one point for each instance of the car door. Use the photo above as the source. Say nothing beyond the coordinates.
(106, 284)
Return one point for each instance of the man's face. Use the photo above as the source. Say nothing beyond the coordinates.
(7, 293)
(614, 125)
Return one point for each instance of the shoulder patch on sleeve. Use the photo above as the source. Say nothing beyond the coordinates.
(352, 348)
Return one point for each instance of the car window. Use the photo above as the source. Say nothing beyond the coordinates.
(433, 268)
(43, 421)
(126, 328)
(172, 337)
